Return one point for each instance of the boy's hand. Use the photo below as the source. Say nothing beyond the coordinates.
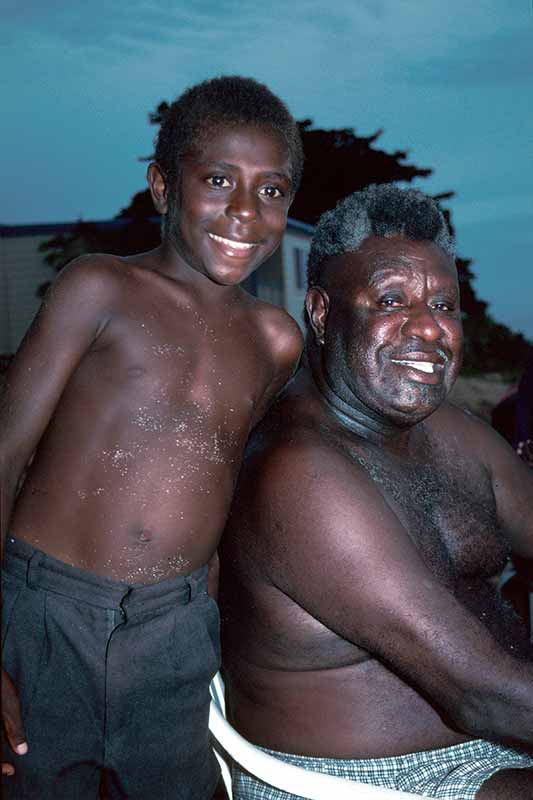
(525, 451)
(213, 576)
(12, 721)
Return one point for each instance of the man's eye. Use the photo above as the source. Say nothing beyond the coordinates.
(389, 302)
(444, 307)
(271, 191)
(218, 181)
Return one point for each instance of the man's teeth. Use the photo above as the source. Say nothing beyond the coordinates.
(231, 243)
(423, 366)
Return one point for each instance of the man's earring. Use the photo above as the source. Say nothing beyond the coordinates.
(320, 338)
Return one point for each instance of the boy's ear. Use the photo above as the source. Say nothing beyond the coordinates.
(158, 187)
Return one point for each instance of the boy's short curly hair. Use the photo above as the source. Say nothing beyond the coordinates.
(378, 210)
(227, 99)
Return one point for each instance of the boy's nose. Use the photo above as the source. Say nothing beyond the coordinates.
(243, 204)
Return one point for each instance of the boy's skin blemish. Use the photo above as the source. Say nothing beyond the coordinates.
(167, 350)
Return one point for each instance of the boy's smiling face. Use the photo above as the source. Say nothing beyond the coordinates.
(233, 195)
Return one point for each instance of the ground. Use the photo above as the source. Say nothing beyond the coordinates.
(481, 393)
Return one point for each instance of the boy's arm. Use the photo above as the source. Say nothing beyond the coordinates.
(213, 575)
(285, 342)
(73, 313)
(71, 317)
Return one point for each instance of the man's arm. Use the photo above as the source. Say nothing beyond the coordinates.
(329, 525)
(512, 481)
(72, 315)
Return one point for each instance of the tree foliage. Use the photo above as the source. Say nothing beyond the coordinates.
(337, 162)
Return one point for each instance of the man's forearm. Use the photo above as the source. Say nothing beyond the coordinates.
(502, 712)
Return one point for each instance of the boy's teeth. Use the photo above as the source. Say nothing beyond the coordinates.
(231, 242)
(423, 366)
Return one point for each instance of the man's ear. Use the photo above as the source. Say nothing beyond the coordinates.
(158, 187)
(317, 307)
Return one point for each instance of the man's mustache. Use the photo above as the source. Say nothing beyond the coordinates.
(442, 355)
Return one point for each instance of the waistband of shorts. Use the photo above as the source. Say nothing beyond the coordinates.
(473, 749)
(42, 571)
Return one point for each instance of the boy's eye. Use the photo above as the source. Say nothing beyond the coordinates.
(271, 191)
(218, 181)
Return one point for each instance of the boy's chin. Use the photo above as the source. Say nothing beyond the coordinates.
(228, 279)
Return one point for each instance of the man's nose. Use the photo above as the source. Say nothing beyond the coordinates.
(243, 204)
(422, 323)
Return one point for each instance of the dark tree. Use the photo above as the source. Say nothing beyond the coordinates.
(121, 236)
(337, 163)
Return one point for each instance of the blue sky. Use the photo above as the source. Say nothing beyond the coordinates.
(450, 82)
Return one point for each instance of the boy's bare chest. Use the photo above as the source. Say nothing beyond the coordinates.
(450, 513)
(171, 359)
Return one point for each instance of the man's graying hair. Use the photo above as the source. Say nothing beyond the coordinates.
(378, 210)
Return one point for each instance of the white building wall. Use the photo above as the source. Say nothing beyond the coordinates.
(5, 314)
(22, 271)
(295, 250)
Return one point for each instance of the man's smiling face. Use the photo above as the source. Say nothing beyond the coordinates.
(394, 326)
(230, 210)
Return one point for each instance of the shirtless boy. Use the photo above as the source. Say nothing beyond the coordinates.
(136, 387)
(363, 634)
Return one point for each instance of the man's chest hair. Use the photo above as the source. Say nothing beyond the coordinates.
(448, 507)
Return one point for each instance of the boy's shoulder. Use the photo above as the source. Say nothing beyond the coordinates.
(278, 331)
(101, 274)
(92, 268)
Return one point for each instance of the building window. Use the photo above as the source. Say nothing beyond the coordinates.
(300, 267)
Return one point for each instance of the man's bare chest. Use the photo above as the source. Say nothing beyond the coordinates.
(449, 511)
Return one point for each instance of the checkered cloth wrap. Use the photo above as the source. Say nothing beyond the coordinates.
(453, 773)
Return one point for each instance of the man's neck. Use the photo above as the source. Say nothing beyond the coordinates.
(351, 413)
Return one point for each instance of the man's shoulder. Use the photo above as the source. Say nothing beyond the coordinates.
(471, 443)
(291, 451)
(453, 424)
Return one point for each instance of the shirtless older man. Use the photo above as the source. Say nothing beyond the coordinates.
(363, 634)
(125, 388)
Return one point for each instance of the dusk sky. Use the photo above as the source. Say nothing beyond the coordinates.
(451, 82)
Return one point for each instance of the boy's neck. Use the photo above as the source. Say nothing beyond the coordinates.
(172, 265)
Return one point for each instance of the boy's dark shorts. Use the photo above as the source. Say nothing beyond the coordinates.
(113, 680)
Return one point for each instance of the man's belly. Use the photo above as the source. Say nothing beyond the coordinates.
(358, 711)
